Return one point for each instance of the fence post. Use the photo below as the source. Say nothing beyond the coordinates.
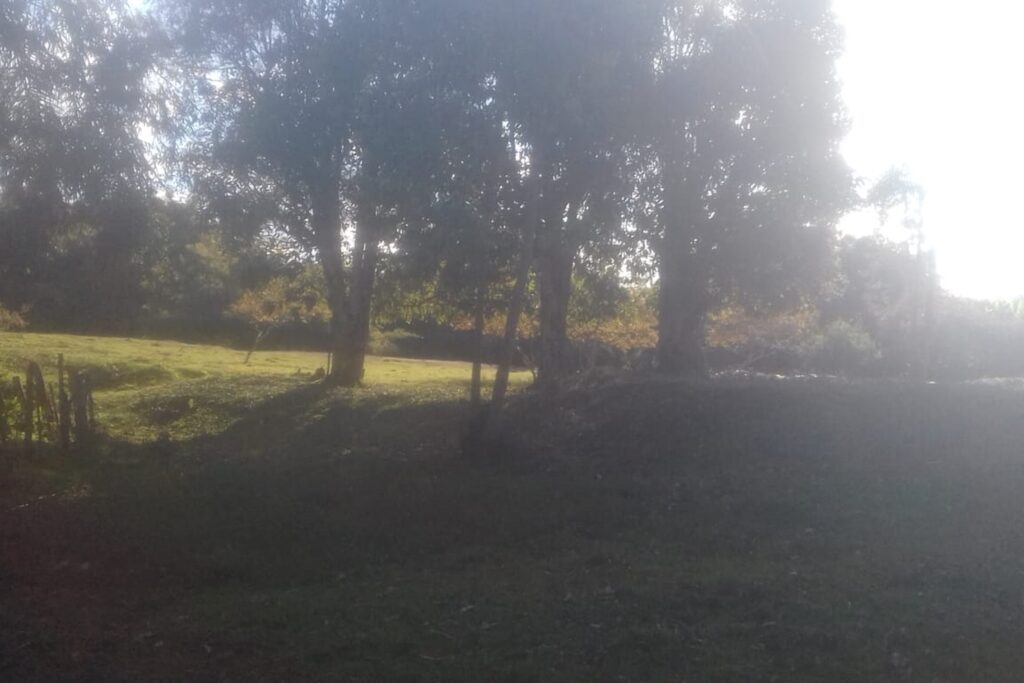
(81, 403)
(63, 406)
(42, 405)
(5, 427)
(26, 412)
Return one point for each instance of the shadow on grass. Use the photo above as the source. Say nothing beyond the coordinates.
(776, 532)
(308, 484)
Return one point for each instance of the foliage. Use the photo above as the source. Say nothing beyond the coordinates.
(285, 300)
(889, 292)
(639, 179)
(743, 182)
(603, 310)
(11, 320)
(896, 190)
(971, 339)
(737, 327)
(621, 317)
(844, 349)
(192, 270)
(73, 174)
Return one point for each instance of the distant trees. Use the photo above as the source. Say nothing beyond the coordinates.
(11, 320)
(890, 292)
(192, 270)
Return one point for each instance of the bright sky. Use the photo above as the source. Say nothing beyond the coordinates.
(936, 86)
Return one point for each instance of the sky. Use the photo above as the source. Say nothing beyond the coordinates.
(935, 86)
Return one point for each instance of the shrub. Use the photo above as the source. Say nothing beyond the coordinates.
(844, 349)
(11, 320)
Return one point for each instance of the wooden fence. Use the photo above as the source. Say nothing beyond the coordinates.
(33, 412)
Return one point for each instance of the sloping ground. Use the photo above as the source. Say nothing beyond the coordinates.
(745, 531)
(148, 389)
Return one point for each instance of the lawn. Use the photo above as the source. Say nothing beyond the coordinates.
(146, 388)
(646, 531)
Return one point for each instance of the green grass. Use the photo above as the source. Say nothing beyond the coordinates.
(146, 388)
(736, 531)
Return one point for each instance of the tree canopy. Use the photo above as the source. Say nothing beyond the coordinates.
(489, 150)
(74, 178)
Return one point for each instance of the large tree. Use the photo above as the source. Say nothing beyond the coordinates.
(568, 85)
(742, 182)
(465, 243)
(74, 181)
(283, 122)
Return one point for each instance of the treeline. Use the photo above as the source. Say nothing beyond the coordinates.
(634, 168)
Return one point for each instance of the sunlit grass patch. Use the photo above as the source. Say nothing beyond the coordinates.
(149, 388)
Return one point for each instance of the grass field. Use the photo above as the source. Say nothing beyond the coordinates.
(144, 386)
(734, 531)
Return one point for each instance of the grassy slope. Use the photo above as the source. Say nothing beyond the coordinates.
(141, 383)
(790, 532)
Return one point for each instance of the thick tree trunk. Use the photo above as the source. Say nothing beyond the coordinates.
(683, 273)
(350, 359)
(327, 232)
(555, 285)
(682, 308)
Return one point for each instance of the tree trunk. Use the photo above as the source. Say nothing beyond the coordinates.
(476, 383)
(81, 397)
(326, 223)
(515, 312)
(260, 336)
(682, 308)
(683, 272)
(518, 298)
(555, 286)
(349, 365)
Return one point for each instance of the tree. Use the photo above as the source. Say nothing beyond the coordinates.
(281, 301)
(742, 181)
(466, 244)
(896, 190)
(890, 291)
(192, 271)
(74, 180)
(570, 95)
(281, 110)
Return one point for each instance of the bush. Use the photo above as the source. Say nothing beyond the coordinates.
(844, 349)
(11, 320)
